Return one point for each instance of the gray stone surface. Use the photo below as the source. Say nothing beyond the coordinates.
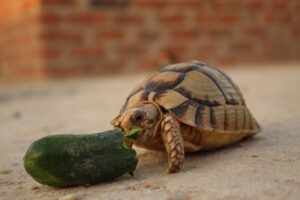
(264, 167)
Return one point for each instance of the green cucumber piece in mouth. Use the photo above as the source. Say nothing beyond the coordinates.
(133, 133)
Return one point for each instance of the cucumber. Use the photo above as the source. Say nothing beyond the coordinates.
(73, 160)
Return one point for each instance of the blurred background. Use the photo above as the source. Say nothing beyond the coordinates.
(67, 66)
(49, 39)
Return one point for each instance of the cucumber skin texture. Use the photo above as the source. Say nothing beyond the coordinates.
(73, 160)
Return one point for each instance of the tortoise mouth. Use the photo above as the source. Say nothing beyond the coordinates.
(134, 133)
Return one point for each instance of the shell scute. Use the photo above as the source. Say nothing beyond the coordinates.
(203, 117)
(230, 118)
(199, 87)
(225, 85)
(162, 82)
(170, 99)
(135, 99)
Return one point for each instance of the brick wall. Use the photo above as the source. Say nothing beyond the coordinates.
(42, 39)
(20, 50)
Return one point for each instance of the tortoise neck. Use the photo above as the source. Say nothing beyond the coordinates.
(157, 128)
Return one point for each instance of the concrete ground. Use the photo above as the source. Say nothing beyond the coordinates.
(264, 167)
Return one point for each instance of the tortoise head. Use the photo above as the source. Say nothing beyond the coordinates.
(140, 122)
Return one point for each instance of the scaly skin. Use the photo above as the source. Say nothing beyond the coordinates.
(159, 131)
(173, 141)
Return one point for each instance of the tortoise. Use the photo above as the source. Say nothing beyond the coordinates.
(186, 107)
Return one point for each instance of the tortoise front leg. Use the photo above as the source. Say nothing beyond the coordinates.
(173, 142)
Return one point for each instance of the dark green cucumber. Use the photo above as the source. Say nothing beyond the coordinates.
(72, 160)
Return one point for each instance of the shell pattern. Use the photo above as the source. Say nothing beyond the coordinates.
(198, 95)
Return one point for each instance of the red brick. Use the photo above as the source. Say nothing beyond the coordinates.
(88, 52)
(220, 32)
(272, 49)
(48, 53)
(204, 17)
(279, 18)
(112, 34)
(284, 18)
(153, 3)
(128, 19)
(296, 5)
(108, 68)
(20, 40)
(242, 45)
(26, 73)
(61, 71)
(226, 5)
(28, 5)
(61, 36)
(147, 64)
(208, 48)
(185, 34)
(133, 49)
(172, 19)
(258, 32)
(269, 17)
(87, 18)
(148, 35)
(279, 4)
(296, 32)
(58, 2)
(256, 4)
(175, 47)
(228, 19)
(191, 3)
(47, 18)
(227, 60)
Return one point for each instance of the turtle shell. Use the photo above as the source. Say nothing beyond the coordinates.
(198, 95)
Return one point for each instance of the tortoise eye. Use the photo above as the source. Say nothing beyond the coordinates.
(138, 117)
